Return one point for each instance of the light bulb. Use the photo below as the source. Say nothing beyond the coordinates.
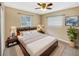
(43, 9)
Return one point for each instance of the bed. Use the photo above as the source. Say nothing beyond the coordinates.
(33, 43)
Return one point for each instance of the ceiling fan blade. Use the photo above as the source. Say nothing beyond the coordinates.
(48, 8)
(39, 4)
(50, 4)
(37, 8)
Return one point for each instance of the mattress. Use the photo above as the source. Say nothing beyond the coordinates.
(38, 47)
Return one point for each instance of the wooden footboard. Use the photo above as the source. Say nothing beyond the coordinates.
(45, 53)
(50, 49)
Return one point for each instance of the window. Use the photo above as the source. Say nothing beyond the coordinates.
(26, 21)
(56, 21)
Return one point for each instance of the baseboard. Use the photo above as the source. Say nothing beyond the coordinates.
(68, 42)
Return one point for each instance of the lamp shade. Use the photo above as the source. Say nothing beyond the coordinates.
(40, 27)
(13, 30)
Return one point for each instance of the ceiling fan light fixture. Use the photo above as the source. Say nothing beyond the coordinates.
(43, 9)
(44, 6)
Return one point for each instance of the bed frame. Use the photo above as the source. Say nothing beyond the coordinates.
(45, 53)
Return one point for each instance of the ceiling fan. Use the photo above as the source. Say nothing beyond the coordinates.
(44, 6)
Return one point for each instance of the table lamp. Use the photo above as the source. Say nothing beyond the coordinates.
(13, 31)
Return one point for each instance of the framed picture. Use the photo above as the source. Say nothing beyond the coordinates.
(72, 21)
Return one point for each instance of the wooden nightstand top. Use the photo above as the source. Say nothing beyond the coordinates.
(12, 39)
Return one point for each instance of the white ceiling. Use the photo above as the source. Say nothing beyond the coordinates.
(30, 6)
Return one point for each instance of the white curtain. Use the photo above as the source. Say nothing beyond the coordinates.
(55, 21)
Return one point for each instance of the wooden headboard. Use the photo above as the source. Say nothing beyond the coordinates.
(25, 29)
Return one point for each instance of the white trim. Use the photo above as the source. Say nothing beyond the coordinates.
(2, 30)
(68, 42)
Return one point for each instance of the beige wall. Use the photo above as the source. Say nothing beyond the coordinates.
(59, 32)
(13, 18)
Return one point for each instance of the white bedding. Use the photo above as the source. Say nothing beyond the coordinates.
(36, 43)
(31, 36)
(38, 47)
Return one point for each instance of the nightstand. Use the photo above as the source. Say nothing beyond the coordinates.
(11, 41)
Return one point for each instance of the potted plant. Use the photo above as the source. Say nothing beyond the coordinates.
(72, 35)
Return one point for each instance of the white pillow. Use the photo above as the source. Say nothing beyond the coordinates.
(25, 33)
(33, 31)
